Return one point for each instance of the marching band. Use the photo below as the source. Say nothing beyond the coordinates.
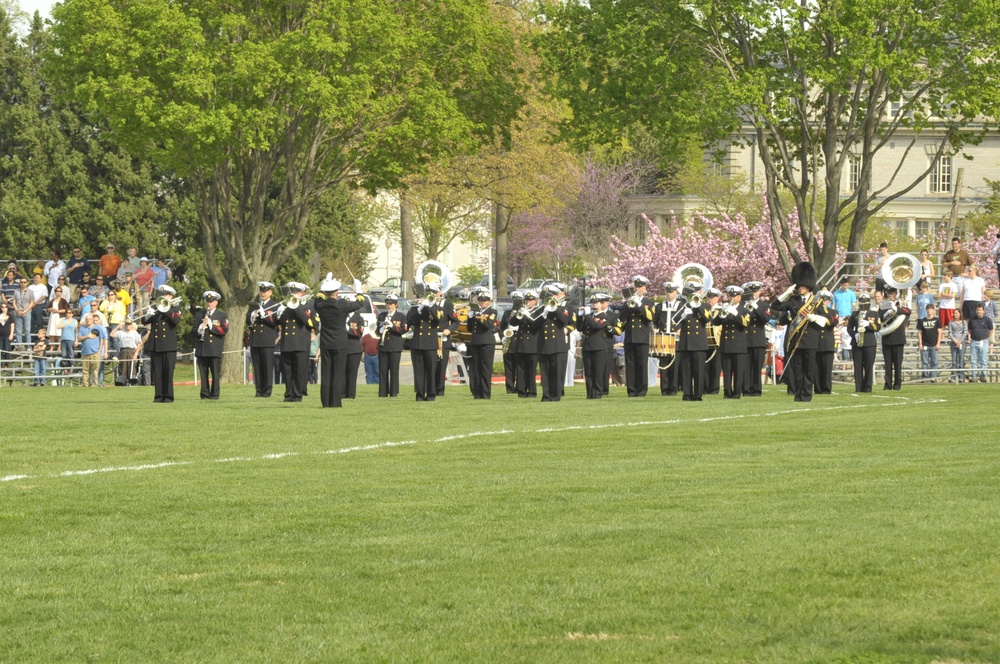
(693, 338)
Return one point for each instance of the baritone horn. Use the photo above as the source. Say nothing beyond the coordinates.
(901, 271)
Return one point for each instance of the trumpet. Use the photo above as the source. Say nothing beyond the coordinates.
(694, 300)
(165, 303)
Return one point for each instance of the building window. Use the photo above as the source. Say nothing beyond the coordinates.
(941, 176)
(922, 228)
(854, 174)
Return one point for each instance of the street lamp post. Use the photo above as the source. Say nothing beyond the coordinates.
(388, 246)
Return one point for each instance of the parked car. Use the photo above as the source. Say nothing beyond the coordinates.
(392, 285)
(402, 304)
(369, 312)
(534, 284)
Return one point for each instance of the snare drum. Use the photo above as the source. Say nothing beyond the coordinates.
(714, 333)
(662, 345)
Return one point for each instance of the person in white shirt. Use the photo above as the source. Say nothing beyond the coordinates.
(947, 292)
(129, 348)
(40, 295)
(972, 293)
(54, 269)
(996, 255)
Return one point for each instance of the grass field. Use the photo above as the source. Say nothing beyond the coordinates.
(852, 529)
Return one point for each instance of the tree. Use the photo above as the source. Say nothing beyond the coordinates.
(264, 107)
(818, 84)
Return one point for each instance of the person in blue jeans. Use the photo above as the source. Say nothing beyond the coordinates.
(38, 355)
(980, 329)
(369, 344)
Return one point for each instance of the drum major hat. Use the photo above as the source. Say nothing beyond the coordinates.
(329, 285)
(804, 274)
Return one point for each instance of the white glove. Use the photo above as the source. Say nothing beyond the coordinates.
(687, 312)
(819, 320)
(281, 310)
(254, 315)
(787, 294)
(732, 310)
(420, 308)
(460, 348)
(863, 324)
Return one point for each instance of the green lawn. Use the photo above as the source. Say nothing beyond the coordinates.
(852, 529)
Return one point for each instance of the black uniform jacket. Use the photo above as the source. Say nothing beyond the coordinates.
(425, 322)
(391, 328)
(355, 328)
(667, 314)
(806, 337)
(760, 314)
(449, 321)
(635, 322)
(333, 313)
(598, 329)
(296, 326)
(163, 331)
(263, 329)
(552, 330)
(209, 343)
(874, 323)
(828, 334)
(691, 331)
(483, 324)
(734, 330)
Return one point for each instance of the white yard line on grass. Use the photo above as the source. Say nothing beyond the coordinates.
(897, 401)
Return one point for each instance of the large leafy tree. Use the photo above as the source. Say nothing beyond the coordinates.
(818, 84)
(264, 107)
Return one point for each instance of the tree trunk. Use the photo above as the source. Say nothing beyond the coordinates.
(232, 347)
(406, 245)
(501, 219)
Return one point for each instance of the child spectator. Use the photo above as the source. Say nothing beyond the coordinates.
(845, 340)
(958, 336)
(67, 337)
(947, 292)
(41, 362)
(924, 298)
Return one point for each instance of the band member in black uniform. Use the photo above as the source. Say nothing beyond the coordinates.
(895, 320)
(804, 314)
(296, 322)
(355, 351)
(449, 323)
(210, 327)
(482, 347)
(823, 373)
(509, 345)
(692, 345)
(760, 315)
(713, 361)
(862, 326)
(162, 318)
(525, 343)
(262, 324)
(424, 321)
(553, 324)
(391, 326)
(666, 315)
(333, 313)
(636, 316)
(597, 327)
(733, 345)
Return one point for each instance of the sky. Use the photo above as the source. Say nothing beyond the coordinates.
(44, 6)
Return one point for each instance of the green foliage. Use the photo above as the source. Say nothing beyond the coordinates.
(721, 531)
(469, 274)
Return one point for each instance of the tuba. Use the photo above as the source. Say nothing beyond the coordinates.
(901, 271)
(426, 278)
(693, 276)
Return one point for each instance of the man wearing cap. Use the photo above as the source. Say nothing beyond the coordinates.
(823, 372)
(209, 328)
(760, 315)
(636, 316)
(552, 327)
(425, 321)
(525, 341)
(598, 328)
(862, 326)
(295, 325)
(448, 325)
(804, 315)
(692, 348)
(482, 347)
(666, 318)
(262, 326)
(713, 365)
(509, 345)
(733, 342)
(333, 313)
(390, 326)
(895, 319)
(162, 346)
